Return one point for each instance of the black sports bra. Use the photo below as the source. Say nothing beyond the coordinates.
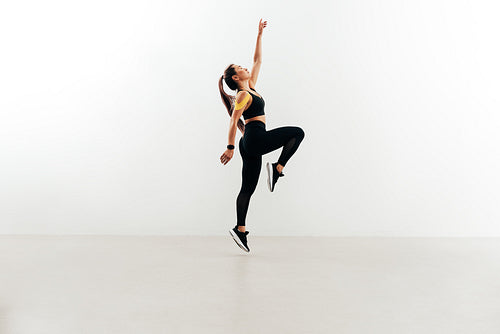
(256, 108)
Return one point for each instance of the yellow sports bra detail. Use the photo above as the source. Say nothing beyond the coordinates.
(242, 103)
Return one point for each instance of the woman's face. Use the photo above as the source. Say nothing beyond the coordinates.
(241, 72)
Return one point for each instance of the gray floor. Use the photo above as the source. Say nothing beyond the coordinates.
(104, 284)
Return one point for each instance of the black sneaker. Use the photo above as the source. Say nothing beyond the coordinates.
(272, 175)
(240, 238)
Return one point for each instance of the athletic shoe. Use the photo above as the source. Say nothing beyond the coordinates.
(240, 238)
(272, 175)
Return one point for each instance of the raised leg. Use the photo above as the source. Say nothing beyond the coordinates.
(288, 137)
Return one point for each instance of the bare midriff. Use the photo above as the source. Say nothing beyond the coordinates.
(261, 118)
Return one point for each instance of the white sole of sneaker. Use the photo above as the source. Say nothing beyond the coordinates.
(269, 176)
(238, 241)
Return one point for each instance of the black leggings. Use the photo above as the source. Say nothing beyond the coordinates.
(256, 142)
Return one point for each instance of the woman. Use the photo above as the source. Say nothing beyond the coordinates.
(256, 140)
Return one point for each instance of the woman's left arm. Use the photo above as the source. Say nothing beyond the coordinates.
(257, 58)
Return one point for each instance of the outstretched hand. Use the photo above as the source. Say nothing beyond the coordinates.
(262, 25)
(226, 156)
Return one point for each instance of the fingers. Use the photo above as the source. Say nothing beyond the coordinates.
(224, 159)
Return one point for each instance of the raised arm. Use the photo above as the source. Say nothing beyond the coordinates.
(257, 58)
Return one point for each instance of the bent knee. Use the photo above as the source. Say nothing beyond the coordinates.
(300, 133)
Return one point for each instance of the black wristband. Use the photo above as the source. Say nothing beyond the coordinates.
(230, 147)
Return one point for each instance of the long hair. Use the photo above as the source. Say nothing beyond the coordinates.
(229, 100)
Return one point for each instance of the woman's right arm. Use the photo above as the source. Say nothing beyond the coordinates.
(241, 101)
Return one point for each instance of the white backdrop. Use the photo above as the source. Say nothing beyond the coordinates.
(112, 123)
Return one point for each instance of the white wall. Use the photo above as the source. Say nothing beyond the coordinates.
(112, 123)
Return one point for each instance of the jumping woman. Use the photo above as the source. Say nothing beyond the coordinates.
(256, 140)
